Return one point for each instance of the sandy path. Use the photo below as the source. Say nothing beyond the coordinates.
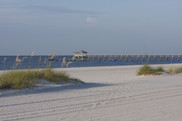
(111, 94)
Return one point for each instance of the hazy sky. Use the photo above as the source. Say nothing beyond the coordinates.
(97, 26)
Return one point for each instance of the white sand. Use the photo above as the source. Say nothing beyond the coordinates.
(111, 94)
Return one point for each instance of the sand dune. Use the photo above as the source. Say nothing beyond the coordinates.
(110, 94)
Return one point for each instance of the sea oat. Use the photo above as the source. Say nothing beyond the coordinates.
(4, 63)
(18, 60)
(63, 64)
(68, 63)
(24, 58)
(31, 59)
(32, 54)
(39, 61)
(52, 56)
(45, 60)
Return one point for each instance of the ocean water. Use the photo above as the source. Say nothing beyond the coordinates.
(33, 62)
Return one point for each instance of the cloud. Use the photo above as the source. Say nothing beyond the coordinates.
(41, 8)
(57, 9)
(91, 20)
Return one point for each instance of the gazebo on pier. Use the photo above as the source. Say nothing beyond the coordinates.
(80, 54)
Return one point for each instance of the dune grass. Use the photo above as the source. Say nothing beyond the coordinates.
(26, 79)
(147, 70)
(174, 70)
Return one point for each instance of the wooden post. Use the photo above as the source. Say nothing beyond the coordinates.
(88, 58)
(160, 58)
(110, 58)
(131, 58)
(126, 58)
(154, 58)
(143, 58)
(104, 58)
(121, 58)
(93, 58)
(149, 57)
(178, 59)
(99, 58)
(115, 58)
(138, 57)
(167, 58)
(172, 58)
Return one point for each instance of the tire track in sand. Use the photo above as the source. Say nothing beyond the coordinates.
(91, 102)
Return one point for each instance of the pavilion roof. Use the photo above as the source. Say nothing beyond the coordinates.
(81, 51)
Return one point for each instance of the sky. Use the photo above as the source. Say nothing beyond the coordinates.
(101, 27)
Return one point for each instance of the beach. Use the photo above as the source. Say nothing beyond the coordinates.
(110, 93)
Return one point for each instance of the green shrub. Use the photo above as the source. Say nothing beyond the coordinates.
(52, 76)
(21, 79)
(160, 69)
(16, 80)
(147, 70)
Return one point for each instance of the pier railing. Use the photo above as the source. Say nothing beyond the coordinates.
(131, 58)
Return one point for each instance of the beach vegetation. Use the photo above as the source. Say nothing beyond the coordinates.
(39, 61)
(32, 54)
(65, 64)
(147, 70)
(4, 63)
(27, 78)
(174, 70)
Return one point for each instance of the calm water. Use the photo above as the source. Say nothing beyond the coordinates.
(27, 62)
